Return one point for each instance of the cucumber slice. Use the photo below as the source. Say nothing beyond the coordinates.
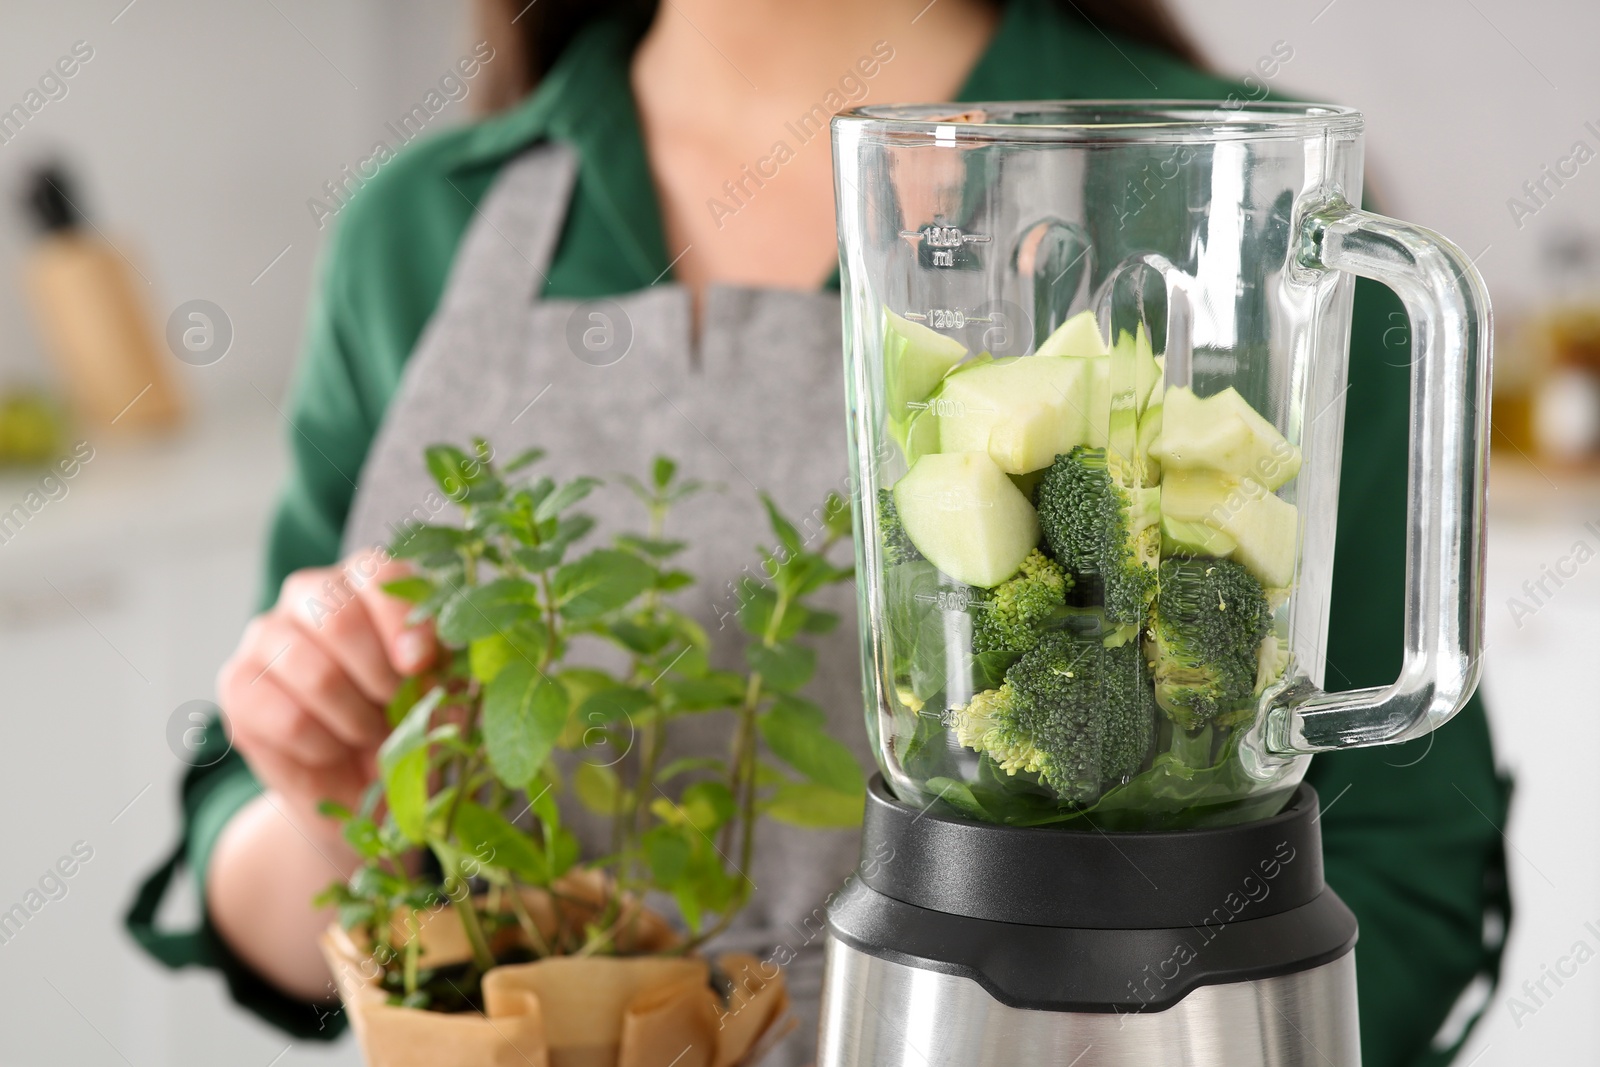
(1223, 433)
(966, 517)
(915, 358)
(1265, 527)
(1079, 336)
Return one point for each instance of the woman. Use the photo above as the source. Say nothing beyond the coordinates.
(455, 291)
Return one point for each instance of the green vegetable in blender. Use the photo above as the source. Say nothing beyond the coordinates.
(1022, 607)
(914, 359)
(1078, 714)
(1099, 521)
(966, 517)
(1182, 538)
(1078, 336)
(897, 547)
(1117, 546)
(1123, 386)
(1206, 632)
(1222, 433)
(1022, 411)
(1262, 526)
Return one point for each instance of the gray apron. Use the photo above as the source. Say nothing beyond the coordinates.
(605, 386)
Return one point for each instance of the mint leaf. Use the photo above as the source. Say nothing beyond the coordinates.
(798, 738)
(782, 667)
(814, 807)
(482, 610)
(495, 842)
(523, 714)
(602, 581)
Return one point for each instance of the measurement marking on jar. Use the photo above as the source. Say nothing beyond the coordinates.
(946, 236)
(942, 242)
(942, 408)
(947, 318)
(954, 600)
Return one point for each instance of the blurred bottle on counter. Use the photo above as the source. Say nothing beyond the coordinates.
(1551, 407)
(92, 316)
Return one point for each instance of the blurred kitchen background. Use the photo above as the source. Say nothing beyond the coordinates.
(193, 136)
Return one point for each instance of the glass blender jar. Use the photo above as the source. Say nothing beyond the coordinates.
(1096, 362)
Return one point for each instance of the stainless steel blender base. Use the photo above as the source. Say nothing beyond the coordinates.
(878, 1013)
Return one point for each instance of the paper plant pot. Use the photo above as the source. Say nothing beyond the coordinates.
(597, 1011)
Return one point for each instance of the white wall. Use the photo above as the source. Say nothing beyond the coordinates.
(200, 130)
(1465, 100)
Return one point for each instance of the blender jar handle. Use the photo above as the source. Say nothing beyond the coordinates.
(1448, 307)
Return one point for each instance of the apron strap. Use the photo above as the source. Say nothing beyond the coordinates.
(503, 257)
(175, 949)
(498, 273)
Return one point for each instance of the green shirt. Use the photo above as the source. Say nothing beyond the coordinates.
(1411, 834)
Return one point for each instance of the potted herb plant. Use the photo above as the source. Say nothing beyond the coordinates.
(476, 930)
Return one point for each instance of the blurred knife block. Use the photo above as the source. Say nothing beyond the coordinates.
(90, 315)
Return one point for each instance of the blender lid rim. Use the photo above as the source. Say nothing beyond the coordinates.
(1092, 120)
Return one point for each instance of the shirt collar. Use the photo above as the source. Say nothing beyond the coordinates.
(586, 101)
(587, 78)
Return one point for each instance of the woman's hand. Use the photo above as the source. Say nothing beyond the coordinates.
(305, 690)
(305, 694)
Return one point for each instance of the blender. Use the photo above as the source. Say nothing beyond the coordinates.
(1096, 361)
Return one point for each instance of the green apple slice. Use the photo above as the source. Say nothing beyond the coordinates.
(1225, 434)
(1023, 411)
(1079, 337)
(963, 513)
(1182, 538)
(915, 358)
(1264, 527)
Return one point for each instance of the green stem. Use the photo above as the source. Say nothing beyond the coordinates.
(471, 925)
(519, 908)
(652, 744)
(552, 621)
(743, 744)
(1191, 749)
(742, 775)
(413, 953)
(465, 767)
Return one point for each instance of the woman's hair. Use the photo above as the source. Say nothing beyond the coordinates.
(531, 36)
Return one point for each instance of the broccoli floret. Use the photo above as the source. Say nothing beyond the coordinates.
(1210, 618)
(1098, 520)
(1074, 712)
(897, 546)
(1021, 607)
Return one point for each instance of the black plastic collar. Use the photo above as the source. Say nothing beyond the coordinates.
(1086, 879)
